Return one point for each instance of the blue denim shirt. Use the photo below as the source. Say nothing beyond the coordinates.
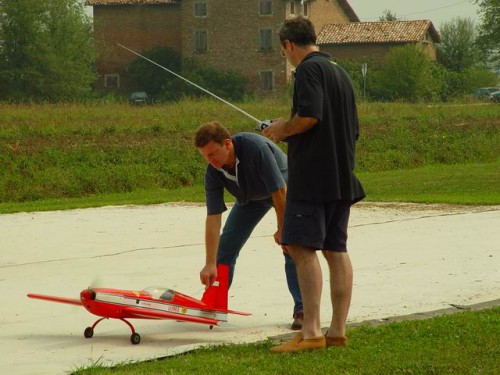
(262, 170)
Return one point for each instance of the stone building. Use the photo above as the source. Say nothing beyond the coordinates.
(372, 40)
(231, 35)
(239, 35)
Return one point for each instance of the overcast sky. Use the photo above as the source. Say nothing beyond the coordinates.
(438, 11)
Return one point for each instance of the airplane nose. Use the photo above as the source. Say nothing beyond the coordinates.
(87, 294)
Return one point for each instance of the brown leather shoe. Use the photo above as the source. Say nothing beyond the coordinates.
(299, 344)
(297, 321)
(336, 341)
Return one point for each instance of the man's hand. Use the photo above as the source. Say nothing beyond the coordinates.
(277, 237)
(279, 201)
(208, 274)
(276, 131)
(281, 129)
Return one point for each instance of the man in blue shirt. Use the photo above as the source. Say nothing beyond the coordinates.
(253, 170)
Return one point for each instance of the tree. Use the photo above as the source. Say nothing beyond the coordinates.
(387, 15)
(150, 78)
(489, 30)
(46, 50)
(406, 74)
(164, 86)
(458, 50)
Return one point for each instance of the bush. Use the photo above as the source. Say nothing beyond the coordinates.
(165, 86)
(354, 69)
(406, 74)
(151, 78)
(480, 77)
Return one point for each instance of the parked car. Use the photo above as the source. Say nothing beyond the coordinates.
(139, 98)
(484, 92)
(495, 96)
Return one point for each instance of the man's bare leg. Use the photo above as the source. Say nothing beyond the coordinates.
(341, 279)
(311, 284)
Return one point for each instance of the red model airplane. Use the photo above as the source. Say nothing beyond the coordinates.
(153, 303)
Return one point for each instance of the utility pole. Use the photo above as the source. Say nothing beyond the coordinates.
(364, 69)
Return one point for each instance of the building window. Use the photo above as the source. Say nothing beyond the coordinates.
(292, 8)
(306, 10)
(200, 9)
(266, 39)
(265, 7)
(200, 41)
(112, 81)
(267, 80)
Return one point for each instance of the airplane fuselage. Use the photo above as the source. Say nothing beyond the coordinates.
(119, 304)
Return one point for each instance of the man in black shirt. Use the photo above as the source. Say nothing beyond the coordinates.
(321, 136)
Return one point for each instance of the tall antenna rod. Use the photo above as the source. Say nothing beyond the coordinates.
(195, 85)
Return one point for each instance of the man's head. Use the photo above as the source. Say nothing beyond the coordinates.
(299, 31)
(298, 39)
(214, 142)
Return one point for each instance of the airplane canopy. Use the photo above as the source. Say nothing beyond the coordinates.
(160, 293)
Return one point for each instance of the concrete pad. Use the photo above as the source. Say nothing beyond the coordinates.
(407, 259)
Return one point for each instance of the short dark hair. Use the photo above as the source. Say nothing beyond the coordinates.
(298, 30)
(212, 131)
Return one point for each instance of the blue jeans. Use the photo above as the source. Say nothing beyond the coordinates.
(239, 226)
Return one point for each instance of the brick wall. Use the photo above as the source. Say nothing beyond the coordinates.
(138, 27)
(358, 52)
(365, 52)
(232, 31)
(233, 38)
(430, 49)
(324, 12)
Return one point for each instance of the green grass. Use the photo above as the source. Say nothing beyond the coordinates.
(472, 184)
(454, 184)
(73, 151)
(462, 343)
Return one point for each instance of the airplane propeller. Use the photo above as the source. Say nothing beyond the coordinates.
(96, 283)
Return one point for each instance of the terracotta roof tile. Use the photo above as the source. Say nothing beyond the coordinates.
(129, 2)
(377, 32)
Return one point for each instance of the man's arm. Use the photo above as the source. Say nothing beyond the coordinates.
(281, 129)
(212, 236)
(279, 199)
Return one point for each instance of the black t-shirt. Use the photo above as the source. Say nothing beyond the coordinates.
(321, 160)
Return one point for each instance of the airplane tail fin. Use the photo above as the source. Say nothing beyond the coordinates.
(215, 295)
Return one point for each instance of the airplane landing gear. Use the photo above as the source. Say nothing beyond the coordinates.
(88, 333)
(135, 338)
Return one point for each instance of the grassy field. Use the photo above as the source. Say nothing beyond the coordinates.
(62, 156)
(464, 343)
(470, 184)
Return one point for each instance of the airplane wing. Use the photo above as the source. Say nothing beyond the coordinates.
(145, 313)
(71, 301)
(234, 312)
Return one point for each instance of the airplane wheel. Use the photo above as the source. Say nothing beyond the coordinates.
(88, 333)
(135, 338)
(211, 327)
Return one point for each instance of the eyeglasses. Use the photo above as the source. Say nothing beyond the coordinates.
(283, 48)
